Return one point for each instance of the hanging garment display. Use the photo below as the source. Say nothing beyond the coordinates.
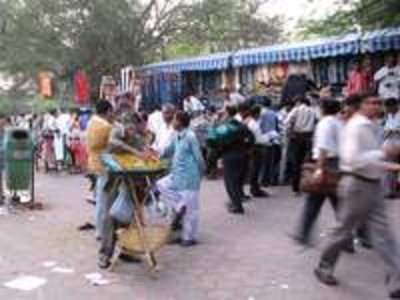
(81, 88)
(46, 84)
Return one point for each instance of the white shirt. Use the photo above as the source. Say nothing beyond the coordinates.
(50, 123)
(392, 122)
(360, 148)
(389, 82)
(327, 137)
(302, 119)
(155, 119)
(236, 98)
(63, 124)
(193, 104)
(238, 118)
(261, 139)
(164, 135)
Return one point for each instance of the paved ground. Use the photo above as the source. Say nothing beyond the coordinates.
(240, 257)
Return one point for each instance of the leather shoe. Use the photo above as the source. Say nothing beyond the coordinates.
(325, 277)
(103, 262)
(259, 194)
(188, 243)
(235, 210)
(394, 294)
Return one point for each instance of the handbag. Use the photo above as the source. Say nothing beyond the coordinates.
(325, 184)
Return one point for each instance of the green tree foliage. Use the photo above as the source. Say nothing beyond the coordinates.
(98, 35)
(353, 15)
(101, 36)
(226, 25)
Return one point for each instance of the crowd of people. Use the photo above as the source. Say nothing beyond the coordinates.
(258, 144)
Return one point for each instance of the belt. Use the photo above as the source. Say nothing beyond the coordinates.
(360, 177)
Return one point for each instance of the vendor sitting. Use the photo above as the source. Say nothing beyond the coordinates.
(124, 138)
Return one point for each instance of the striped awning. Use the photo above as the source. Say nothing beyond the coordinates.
(381, 40)
(331, 47)
(218, 61)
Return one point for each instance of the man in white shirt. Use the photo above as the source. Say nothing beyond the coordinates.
(236, 98)
(50, 121)
(301, 123)
(362, 161)
(326, 155)
(63, 123)
(391, 132)
(262, 140)
(192, 105)
(163, 129)
(388, 79)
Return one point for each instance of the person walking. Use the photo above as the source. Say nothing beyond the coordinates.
(181, 187)
(3, 123)
(269, 124)
(388, 79)
(234, 157)
(391, 129)
(301, 123)
(262, 141)
(98, 134)
(325, 154)
(362, 162)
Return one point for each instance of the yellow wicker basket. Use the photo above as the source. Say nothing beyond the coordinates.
(156, 236)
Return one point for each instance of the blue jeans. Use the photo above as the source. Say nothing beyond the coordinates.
(101, 204)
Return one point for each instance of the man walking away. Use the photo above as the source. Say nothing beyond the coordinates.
(269, 124)
(262, 141)
(362, 162)
(325, 154)
(301, 123)
(234, 156)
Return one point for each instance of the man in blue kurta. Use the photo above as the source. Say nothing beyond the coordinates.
(182, 186)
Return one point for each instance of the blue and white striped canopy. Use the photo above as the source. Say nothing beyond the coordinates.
(381, 40)
(336, 46)
(218, 61)
(349, 44)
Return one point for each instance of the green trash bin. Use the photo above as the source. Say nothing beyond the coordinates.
(18, 148)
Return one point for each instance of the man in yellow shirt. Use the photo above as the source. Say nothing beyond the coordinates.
(98, 134)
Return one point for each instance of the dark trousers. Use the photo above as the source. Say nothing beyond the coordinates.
(270, 165)
(244, 172)
(256, 165)
(301, 147)
(312, 207)
(311, 210)
(211, 162)
(234, 166)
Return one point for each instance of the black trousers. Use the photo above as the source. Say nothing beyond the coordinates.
(301, 144)
(310, 213)
(270, 165)
(244, 172)
(256, 166)
(235, 165)
(211, 162)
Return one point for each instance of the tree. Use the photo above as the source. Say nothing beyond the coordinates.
(353, 15)
(98, 35)
(226, 25)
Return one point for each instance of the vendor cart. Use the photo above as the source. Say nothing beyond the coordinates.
(141, 237)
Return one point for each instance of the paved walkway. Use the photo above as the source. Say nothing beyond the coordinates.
(239, 257)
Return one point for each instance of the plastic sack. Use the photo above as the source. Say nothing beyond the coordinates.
(157, 211)
(122, 208)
